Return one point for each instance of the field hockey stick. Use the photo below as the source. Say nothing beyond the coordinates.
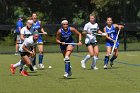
(61, 43)
(43, 33)
(115, 43)
(71, 43)
(103, 34)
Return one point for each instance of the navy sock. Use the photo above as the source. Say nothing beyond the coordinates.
(40, 58)
(31, 67)
(67, 67)
(113, 58)
(106, 59)
(34, 61)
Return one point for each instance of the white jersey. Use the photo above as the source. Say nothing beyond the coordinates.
(91, 28)
(25, 31)
(28, 42)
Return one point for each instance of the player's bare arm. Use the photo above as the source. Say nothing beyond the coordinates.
(78, 33)
(107, 35)
(42, 29)
(118, 26)
(58, 34)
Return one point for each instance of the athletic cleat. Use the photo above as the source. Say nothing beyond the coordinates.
(83, 65)
(105, 66)
(35, 68)
(66, 75)
(12, 69)
(24, 73)
(94, 68)
(41, 66)
(111, 63)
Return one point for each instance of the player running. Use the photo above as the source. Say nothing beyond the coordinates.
(63, 36)
(37, 27)
(91, 29)
(111, 30)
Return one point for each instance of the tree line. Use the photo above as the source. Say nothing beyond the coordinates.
(76, 11)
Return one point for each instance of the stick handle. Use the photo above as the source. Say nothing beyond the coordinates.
(103, 34)
(115, 42)
(71, 43)
(43, 33)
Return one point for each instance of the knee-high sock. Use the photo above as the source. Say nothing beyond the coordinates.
(95, 58)
(67, 64)
(87, 57)
(34, 61)
(106, 59)
(24, 68)
(40, 58)
(17, 64)
(31, 67)
(113, 58)
(22, 65)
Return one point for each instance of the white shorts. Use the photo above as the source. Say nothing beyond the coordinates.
(88, 40)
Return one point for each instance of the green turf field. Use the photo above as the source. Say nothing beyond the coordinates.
(55, 48)
(124, 77)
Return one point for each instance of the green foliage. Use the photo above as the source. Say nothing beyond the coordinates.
(138, 14)
(78, 18)
(8, 41)
(53, 10)
(18, 11)
(41, 16)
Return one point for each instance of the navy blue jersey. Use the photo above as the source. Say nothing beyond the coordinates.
(112, 32)
(36, 26)
(66, 36)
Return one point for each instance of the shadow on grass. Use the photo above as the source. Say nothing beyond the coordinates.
(32, 72)
(113, 68)
(68, 78)
(35, 75)
(109, 68)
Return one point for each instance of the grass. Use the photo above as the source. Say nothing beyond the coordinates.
(123, 77)
(55, 48)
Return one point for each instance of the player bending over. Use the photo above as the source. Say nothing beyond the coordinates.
(64, 35)
(27, 50)
(111, 30)
(24, 33)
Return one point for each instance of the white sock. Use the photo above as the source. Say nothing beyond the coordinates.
(95, 58)
(66, 59)
(25, 68)
(87, 57)
(17, 64)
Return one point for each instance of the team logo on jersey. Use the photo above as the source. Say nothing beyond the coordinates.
(93, 29)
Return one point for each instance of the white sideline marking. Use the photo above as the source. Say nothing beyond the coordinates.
(132, 55)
